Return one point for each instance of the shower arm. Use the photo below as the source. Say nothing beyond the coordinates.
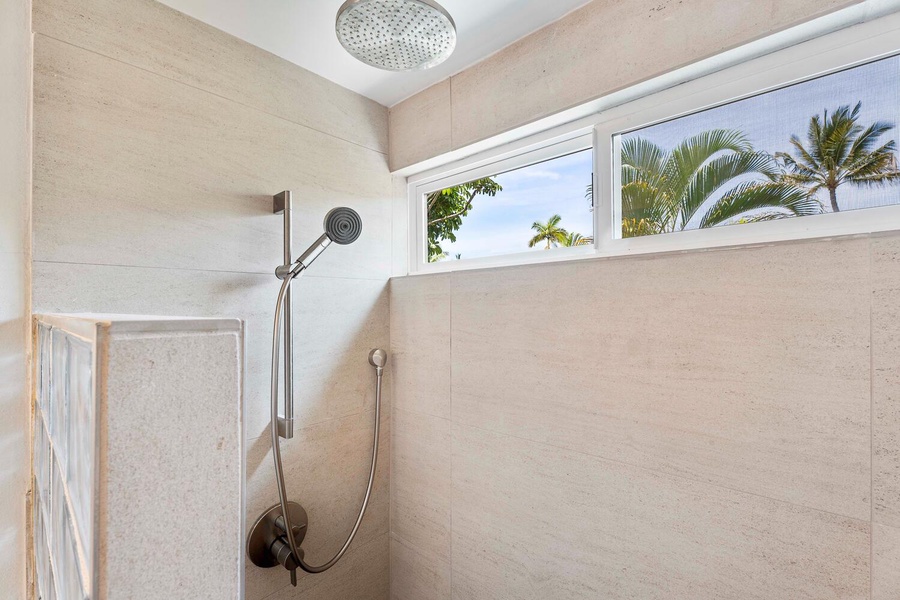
(276, 444)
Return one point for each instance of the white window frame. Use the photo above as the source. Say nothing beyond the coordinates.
(576, 142)
(823, 55)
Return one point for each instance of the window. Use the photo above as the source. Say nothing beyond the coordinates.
(822, 146)
(539, 207)
(796, 143)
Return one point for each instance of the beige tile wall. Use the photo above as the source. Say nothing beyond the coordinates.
(607, 45)
(15, 199)
(690, 425)
(159, 142)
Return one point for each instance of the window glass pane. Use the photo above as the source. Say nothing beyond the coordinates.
(821, 146)
(545, 206)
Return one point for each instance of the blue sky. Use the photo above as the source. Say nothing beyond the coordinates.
(770, 119)
(502, 224)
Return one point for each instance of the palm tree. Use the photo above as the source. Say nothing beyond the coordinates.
(709, 179)
(576, 239)
(549, 232)
(839, 150)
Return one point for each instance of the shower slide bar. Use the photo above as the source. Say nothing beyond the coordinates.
(276, 536)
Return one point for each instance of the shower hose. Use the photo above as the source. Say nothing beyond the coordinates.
(276, 449)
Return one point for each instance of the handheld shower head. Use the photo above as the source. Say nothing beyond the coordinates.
(343, 225)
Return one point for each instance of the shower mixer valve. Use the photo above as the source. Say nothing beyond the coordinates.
(268, 546)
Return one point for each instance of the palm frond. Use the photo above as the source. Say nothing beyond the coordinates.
(753, 196)
(718, 172)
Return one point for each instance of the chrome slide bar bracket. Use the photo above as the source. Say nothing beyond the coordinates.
(283, 204)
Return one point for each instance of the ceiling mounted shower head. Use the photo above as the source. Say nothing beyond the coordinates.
(396, 35)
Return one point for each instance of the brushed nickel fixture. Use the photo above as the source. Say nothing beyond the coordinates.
(396, 35)
(276, 536)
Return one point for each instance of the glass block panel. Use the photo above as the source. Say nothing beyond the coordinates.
(71, 580)
(42, 460)
(59, 395)
(59, 520)
(50, 593)
(41, 550)
(80, 468)
(42, 377)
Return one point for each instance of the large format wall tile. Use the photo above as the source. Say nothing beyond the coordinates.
(421, 125)
(415, 575)
(886, 383)
(557, 67)
(595, 51)
(135, 169)
(326, 466)
(748, 369)
(885, 562)
(420, 340)
(532, 521)
(363, 574)
(420, 479)
(15, 434)
(153, 37)
(337, 322)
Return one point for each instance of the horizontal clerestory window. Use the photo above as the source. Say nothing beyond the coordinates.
(797, 143)
(822, 146)
(535, 208)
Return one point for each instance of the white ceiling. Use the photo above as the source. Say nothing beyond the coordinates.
(302, 31)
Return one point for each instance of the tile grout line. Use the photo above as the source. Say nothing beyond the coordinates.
(210, 92)
(871, 421)
(121, 266)
(662, 473)
(318, 423)
(393, 430)
(451, 279)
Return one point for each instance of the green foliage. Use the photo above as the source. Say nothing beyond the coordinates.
(549, 232)
(839, 150)
(709, 179)
(446, 209)
(576, 239)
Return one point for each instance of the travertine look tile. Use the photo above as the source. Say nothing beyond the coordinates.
(886, 562)
(131, 168)
(326, 466)
(597, 50)
(746, 368)
(337, 322)
(400, 245)
(420, 126)
(886, 382)
(156, 38)
(362, 574)
(15, 433)
(531, 521)
(420, 340)
(420, 479)
(416, 575)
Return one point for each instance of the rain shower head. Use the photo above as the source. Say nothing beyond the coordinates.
(343, 225)
(396, 35)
